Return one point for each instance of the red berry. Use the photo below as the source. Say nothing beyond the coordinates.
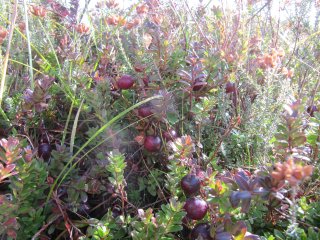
(170, 135)
(230, 87)
(140, 68)
(152, 143)
(44, 151)
(190, 184)
(146, 80)
(116, 212)
(145, 111)
(196, 208)
(125, 82)
(199, 85)
(203, 230)
(311, 110)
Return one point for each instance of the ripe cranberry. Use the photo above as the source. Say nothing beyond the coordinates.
(152, 143)
(196, 208)
(139, 68)
(311, 110)
(116, 212)
(170, 135)
(201, 229)
(146, 80)
(230, 87)
(3, 32)
(145, 111)
(190, 184)
(125, 82)
(199, 85)
(44, 151)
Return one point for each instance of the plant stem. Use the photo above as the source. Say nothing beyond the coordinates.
(65, 130)
(293, 216)
(6, 57)
(28, 43)
(123, 52)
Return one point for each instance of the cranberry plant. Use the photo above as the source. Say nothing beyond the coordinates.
(159, 120)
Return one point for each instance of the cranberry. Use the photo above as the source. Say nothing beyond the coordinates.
(146, 81)
(125, 82)
(139, 68)
(230, 87)
(190, 184)
(145, 111)
(116, 212)
(196, 208)
(203, 230)
(311, 110)
(44, 151)
(170, 135)
(152, 143)
(199, 85)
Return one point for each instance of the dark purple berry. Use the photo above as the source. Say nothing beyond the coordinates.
(311, 110)
(146, 81)
(196, 208)
(152, 143)
(190, 184)
(197, 86)
(44, 151)
(170, 135)
(201, 230)
(145, 111)
(116, 212)
(125, 82)
(230, 87)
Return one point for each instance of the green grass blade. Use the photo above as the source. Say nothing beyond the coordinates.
(74, 127)
(65, 130)
(50, 43)
(28, 43)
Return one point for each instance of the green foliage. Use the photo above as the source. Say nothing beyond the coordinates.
(58, 160)
(97, 230)
(116, 168)
(28, 188)
(151, 182)
(161, 226)
(106, 228)
(242, 96)
(309, 212)
(174, 176)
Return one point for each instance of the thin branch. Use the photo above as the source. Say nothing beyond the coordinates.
(257, 12)
(44, 227)
(198, 26)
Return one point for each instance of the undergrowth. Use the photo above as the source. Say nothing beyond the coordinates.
(159, 120)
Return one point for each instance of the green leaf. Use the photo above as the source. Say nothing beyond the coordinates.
(312, 139)
(281, 143)
(172, 117)
(175, 228)
(281, 136)
(279, 235)
(299, 140)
